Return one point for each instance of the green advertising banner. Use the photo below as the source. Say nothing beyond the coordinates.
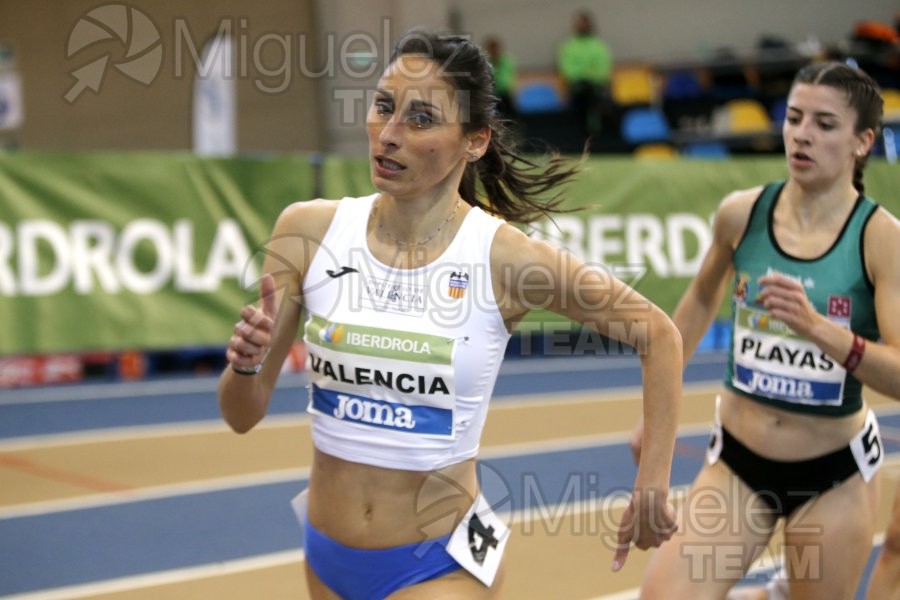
(650, 221)
(154, 251)
(115, 251)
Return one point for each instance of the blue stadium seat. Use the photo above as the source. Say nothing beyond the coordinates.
(706, 150)
(538, 97)
(682, 85)
(778, 111)
(643, 125)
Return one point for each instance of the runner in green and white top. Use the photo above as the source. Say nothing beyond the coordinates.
(812, 269)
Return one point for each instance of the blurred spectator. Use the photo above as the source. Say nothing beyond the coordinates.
(728, 74)
(877, 35)
(776, 63)
(585, 63)
(504, 66)
(876, 48)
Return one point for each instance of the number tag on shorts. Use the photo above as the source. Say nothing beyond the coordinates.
(478, 542)
(867, 448)
(299, 505)
(714, 449)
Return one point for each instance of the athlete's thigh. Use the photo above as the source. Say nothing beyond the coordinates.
(722, 528)
(458, 585)
(317, 588)
(828, 541)
(892, 535)
(885, 581)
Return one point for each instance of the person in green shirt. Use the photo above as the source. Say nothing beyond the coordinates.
(585, 64)
(504, 66)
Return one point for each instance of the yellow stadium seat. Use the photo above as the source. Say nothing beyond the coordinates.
(745, 116)
(655, 151)
(633, 85)
(891, 104)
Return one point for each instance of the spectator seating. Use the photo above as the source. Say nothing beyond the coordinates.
(633, 85)
(655, 151)
(891, 105)
(539, 95)
(706, 150)
(742, 116)
(730, 81)
(642, 125)
(683, 85)
(686, 99)
(708, 110)
(778, 111)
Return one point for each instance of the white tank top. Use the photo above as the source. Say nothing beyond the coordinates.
(402, 362)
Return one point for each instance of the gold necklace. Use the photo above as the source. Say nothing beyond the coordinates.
(408, 244)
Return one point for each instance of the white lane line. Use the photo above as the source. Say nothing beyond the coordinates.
(214, 484)
(152, 387)
(631, 594)
(136, 432)
(579, 442)
(595, 396)
(111, 434)
(126, 584)
(509, 403)
(131, 389)
(493, 452)
(276, 476)
(287, 557)
(155, 492)
(524, 366)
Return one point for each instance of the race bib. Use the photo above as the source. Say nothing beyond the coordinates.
(867, 448)
(381, 378)
(478, 542)
(770, 360)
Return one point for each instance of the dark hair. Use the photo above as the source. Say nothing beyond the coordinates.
(863, 96)
(512, 185)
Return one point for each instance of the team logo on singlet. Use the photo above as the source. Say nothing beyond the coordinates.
(394, 296)
(839, 306)
(459, 281)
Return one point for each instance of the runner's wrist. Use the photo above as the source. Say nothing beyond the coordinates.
(247, 371)
(855, 355)
(253, 369)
